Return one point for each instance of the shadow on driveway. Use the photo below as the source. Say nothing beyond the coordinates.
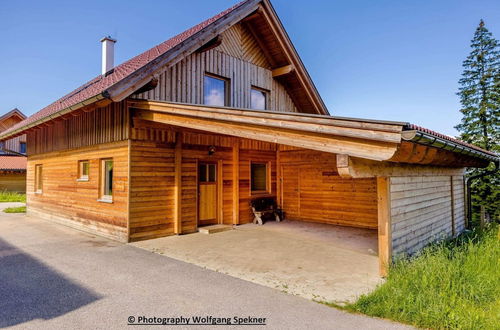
(31, 290)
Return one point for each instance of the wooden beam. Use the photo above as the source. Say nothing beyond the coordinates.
(214, 43)
(334, 144)
(283, 70)
(278, 178)
(178, 185)
(384, 224)
(343, 165)
(236, 183)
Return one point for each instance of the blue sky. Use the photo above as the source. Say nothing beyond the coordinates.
(394, 60)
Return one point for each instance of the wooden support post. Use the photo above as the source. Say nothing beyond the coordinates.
(278, 177)
(384, 224)
(236, 183)
(452, 198)
(178, 184)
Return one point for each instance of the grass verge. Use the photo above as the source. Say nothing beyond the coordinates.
(20, 209)
(6, 196)
(451, 285)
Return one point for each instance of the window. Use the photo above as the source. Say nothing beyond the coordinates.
(207, 173)
(258, 99)
(106, 180)
(38, 179)
(22, 147)
(83, 170)
(215, 91)
(259, 177)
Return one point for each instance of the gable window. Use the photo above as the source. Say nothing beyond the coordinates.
(106, 180)
(22, 147)
(38, 179)
(215, 91)
(83, 170)
(258, 99)
(259, 178)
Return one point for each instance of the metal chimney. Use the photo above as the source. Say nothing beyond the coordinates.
(108, 54)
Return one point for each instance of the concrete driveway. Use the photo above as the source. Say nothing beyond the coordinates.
(53, 277)
(315, 261)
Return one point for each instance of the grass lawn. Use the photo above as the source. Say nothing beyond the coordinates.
(20, 209)
(452, 285)
(12, 197)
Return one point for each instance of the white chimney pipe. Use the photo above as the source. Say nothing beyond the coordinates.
(108, 54)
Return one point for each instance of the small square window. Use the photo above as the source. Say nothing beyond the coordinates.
(83, 170)
(259, 173)
(106, 180)
(215, 91)
(38, 178)
(258, 99)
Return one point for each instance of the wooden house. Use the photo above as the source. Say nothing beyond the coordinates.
(12, 155)
(187, 133)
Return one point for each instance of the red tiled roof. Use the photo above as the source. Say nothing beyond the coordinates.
(12, 163)
(449, 138)
(100, 83)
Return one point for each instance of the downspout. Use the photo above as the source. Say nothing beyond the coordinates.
(468, 183)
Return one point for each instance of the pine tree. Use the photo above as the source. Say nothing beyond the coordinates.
(480, 98)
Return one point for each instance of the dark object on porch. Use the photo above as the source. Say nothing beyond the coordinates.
(265, 206)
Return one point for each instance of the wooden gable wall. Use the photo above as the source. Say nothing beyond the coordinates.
(13, 144)
(239, 59)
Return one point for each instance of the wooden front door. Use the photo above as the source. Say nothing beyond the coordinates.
(207, 190)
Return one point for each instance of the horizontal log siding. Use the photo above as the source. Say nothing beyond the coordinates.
(13, 181)
(64, 199)
(314, 192)
(151, 189)
(421, 210)
(183, 82)
(152, 177)
(102, 125)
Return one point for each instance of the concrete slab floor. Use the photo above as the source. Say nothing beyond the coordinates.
(315, 261)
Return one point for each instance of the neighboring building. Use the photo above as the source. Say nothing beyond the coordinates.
(187, 133)
(12, 155)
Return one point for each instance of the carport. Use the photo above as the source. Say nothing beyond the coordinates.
(316, 261)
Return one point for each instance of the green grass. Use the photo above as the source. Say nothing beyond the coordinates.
(6, 196)
(20, 209)
(452, 285)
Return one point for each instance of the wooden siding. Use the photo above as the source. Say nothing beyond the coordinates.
(102, 125)
(75, 203)
(235, 60)
(151, 189)
(13, 181)
(423, 211)
(313, 191)
(152, 177)
(14, 144)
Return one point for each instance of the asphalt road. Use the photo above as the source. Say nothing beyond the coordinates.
(59, 278)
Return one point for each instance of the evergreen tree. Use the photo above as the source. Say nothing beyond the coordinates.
(480, 98)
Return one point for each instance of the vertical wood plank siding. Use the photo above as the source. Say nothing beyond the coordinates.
(239, 59)
(75, 203)
(421, 210)
(313, 191)
(103, 125)
(14, 144)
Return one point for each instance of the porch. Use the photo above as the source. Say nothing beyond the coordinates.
(313, 260)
